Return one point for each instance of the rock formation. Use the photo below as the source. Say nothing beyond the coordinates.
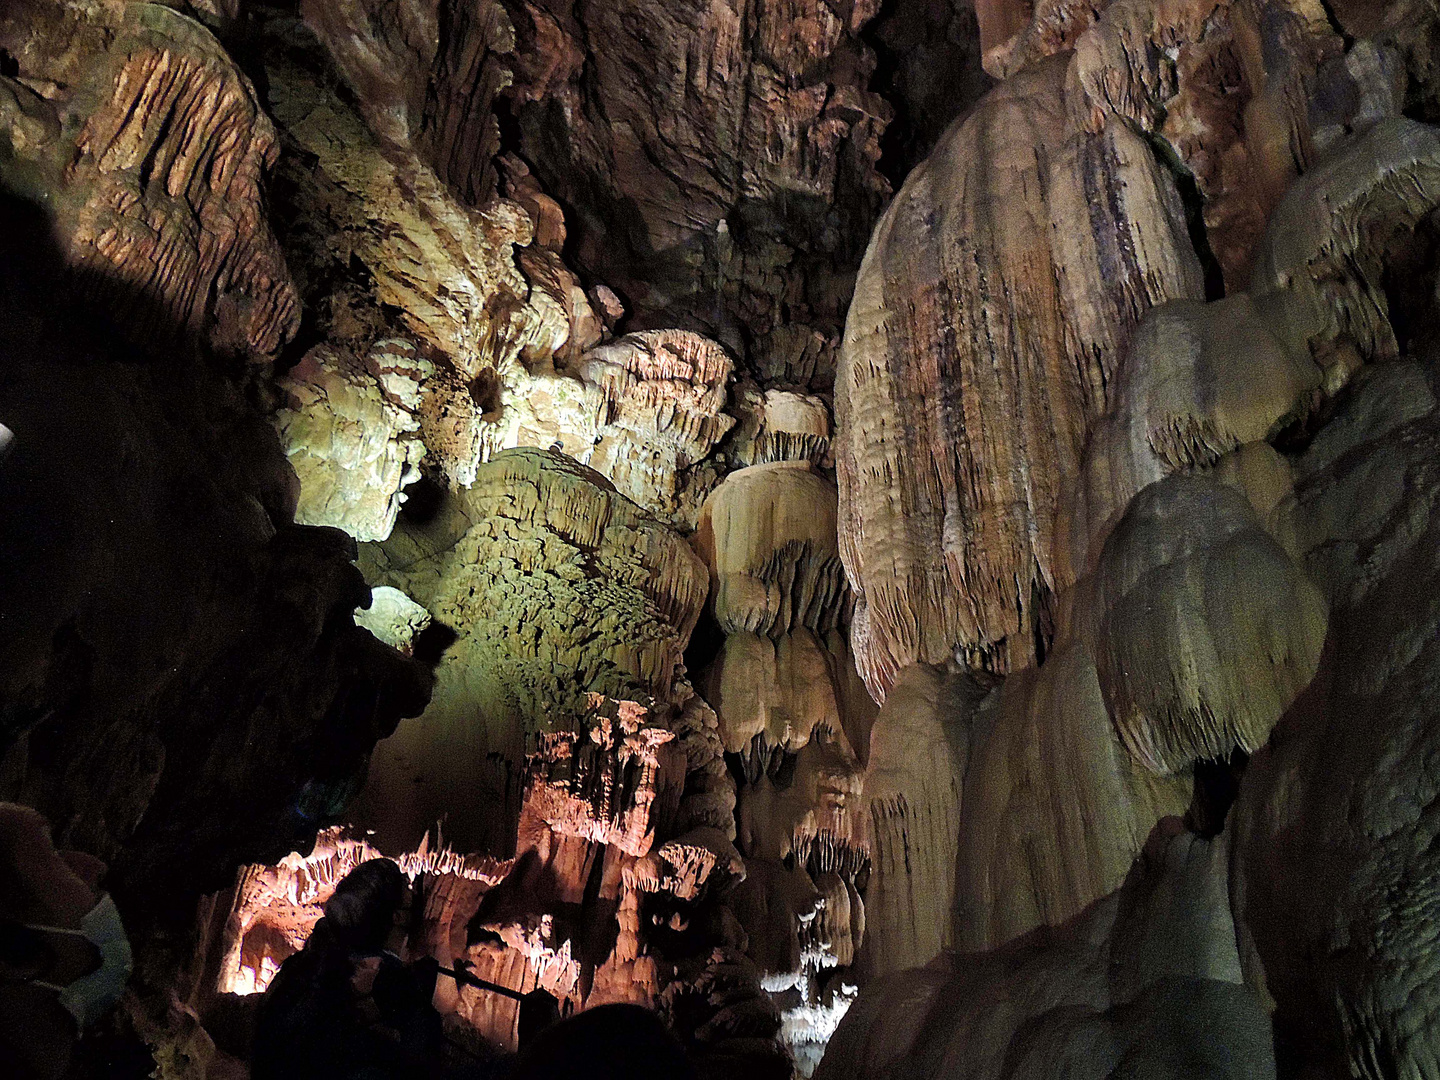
(1146, 982)
(720, 160)
(785, 695)
(984, 635)
(977, 351)
(149, 146)
(555, 587)
(178, 647)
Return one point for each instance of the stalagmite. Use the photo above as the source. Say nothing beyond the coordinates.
(1145, 982)
(915, 814)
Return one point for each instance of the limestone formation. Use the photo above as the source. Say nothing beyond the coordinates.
(1335, 877)
(915, 812)
(719, 160)
(602, 797)
(659, 414)
(350, 431)
(151, 161)
(1053, 811)
(1209, 631)
(1324, 247)
(1144, 983)
(556, 586)
(426, 74)
(1199, 380)
(393, 618)
(977, 351)
(780, 425)
(782, 690)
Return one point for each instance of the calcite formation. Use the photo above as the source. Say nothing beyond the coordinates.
(1143, 981)
(658, 416)
(914, 803)
(426, 74)
(150, 147)
(1209, 632)
(1053, 811)
(779, 688)
(555, 586)
(1114, 493)
(977, 351)
(350, 429)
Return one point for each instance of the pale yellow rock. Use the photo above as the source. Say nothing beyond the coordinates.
(1144, 983)
(780, 425)
(557, 587)
(1053, 809)
(663, 393)
(1318, 269)
(1199, 380)
(1205, 628)
(919, 749)
(350, 429)
(769, 533)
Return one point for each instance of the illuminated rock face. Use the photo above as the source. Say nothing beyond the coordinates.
(556, 587)
(788, 705)
(601, 804)
(1115, 494)
(977, 352)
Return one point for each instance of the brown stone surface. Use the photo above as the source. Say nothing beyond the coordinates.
(719, 160)
(151, 147)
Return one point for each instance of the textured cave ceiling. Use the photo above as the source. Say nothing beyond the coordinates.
(900, 534)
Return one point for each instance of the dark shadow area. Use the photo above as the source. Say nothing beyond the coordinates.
(928, 68)
(1217, 783)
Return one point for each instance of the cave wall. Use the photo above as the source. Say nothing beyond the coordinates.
(984, 442)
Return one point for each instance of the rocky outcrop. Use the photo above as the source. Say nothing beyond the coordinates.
(601, 890)
(719, 160)
(1053, 811)
(185, 686)
(784, 693)
(977, 352)
(658, 415)
(426, 74)
(350, 432)
(1343, 954)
